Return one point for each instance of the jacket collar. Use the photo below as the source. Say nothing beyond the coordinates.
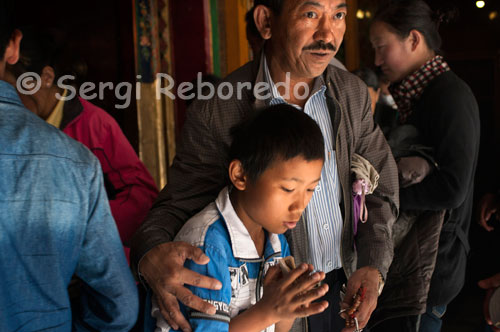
(263, 76)
(72, 109)
(241, 241)
(9, 94)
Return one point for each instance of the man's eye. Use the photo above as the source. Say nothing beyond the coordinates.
(340, 16)
(311, 15)
(286, 190)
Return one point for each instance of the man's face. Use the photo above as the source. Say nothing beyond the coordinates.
(306, 36)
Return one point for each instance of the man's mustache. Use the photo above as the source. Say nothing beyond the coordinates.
(320, 46)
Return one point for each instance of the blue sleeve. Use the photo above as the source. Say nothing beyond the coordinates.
(217, 268)
(109, 301)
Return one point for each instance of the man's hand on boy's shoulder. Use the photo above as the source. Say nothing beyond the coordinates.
(369, 279)
(163, 269)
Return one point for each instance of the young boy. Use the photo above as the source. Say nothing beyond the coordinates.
(276, 162)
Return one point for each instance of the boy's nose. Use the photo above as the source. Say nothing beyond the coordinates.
(298, 206)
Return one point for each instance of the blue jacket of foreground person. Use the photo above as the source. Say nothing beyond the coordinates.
(55, 222)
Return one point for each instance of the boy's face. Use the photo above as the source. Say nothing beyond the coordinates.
(276, 200)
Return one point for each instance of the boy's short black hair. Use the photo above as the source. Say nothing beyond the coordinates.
(7, 24)
(277, 133)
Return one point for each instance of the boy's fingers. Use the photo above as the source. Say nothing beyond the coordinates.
(295, 274)
(307, 297)
(272, 274)
(312, 309)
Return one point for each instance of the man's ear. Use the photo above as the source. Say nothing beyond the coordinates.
(12, 51)
(415, 38)
(237, 175)
(262, 18)
(48, 76)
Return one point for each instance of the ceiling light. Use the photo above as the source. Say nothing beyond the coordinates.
(480, 4)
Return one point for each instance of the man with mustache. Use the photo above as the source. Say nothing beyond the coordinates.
(301, 37)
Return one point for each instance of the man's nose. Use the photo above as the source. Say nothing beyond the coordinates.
(324, 31)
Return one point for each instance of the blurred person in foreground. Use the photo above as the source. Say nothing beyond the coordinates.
(55, 223)
(130, 188)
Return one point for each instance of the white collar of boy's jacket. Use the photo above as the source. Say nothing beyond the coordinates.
(241, 241)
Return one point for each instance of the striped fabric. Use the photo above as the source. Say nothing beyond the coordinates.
(323, 216)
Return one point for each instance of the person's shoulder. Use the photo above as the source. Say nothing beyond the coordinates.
(206, 227)
(245, 73)
(29, 135)
(340, 76)
(231, 100)
(448, 89)
(96, 116)
(346, 84)
(449, 83)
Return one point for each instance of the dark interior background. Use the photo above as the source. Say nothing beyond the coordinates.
(102, 32)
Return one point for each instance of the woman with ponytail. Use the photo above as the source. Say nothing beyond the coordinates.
(431, 98)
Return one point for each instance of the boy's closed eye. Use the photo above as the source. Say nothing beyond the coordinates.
(287, 189)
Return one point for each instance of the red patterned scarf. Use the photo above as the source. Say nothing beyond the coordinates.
(409, 90)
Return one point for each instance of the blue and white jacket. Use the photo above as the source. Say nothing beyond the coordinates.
(234, 261)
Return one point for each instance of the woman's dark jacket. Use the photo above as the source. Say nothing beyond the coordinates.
(447, 118)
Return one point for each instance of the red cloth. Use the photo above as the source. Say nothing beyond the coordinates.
(136, 189)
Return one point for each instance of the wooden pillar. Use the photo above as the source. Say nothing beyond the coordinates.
(155, 114)
(351, 39)
(237, 48)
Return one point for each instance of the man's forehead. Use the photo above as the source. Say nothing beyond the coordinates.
(320, 3)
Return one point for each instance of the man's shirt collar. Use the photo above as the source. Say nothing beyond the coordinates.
(319, 85)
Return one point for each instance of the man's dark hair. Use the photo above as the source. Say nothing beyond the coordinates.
(7, 24)
(251, 28)
(39, 48)
(275, 5)
(368, 76)
(402, 16)
(277, 133)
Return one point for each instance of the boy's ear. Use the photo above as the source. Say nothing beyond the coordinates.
(237, 175)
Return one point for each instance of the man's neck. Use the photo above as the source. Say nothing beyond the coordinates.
(297, 87)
